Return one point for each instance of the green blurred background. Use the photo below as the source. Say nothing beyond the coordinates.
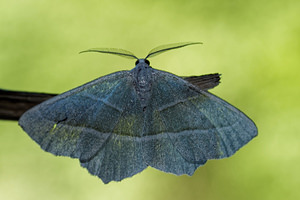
(253, 44)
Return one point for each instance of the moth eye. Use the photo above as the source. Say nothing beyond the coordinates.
(137, 62)
(147, 61)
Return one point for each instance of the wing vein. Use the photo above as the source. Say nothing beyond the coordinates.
(103, 101)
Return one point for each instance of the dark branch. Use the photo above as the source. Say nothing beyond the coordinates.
(204, 82)
(13, 103)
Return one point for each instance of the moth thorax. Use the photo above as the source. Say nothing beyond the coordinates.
(144, 77)
(143, 83)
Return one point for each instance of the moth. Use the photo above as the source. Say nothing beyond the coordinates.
(121, 123)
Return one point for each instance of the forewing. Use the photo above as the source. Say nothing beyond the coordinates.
(96, 123)
(195, 124)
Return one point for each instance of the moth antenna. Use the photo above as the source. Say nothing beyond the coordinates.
(163, 48)
(114, 51)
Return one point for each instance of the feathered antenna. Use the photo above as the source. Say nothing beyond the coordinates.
(115, 51)
(163, 48)
(154, 52)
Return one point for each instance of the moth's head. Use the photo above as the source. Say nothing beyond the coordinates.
(141, 61)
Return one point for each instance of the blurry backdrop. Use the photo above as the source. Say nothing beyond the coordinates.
(253, 44)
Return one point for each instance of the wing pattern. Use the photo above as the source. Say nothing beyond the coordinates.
(196, 125)
(88, 123)
(102, 124)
